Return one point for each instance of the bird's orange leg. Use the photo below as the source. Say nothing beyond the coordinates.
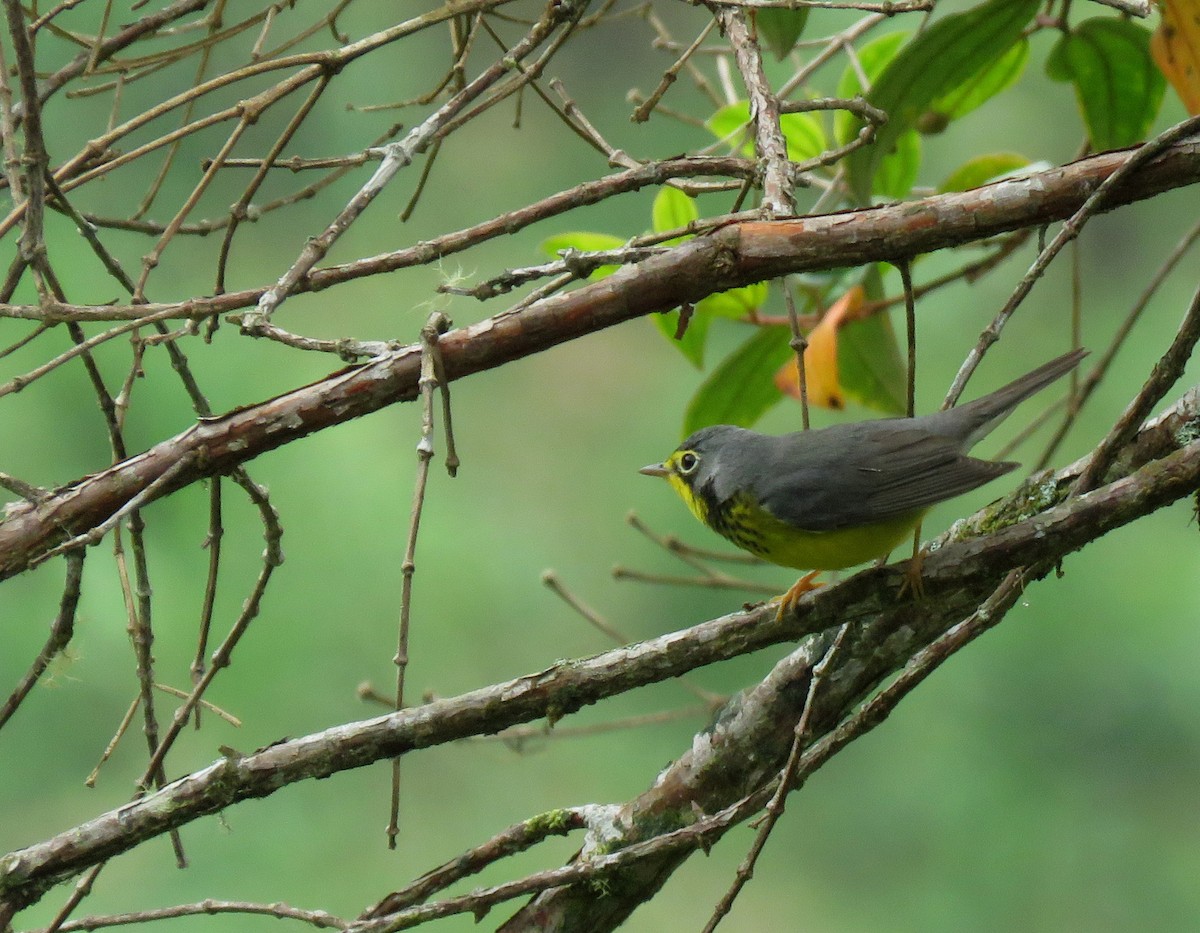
(787, 602)
(912, 573)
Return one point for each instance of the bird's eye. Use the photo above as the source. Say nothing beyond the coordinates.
(688, 462)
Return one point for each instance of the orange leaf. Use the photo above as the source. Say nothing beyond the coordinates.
(1175, 47)
(821, 355)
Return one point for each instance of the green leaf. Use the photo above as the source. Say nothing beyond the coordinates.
(585, 242)
(802, 131)
(727, 122)
(870, 367)
(780, 28)
(742, 388)
(898, 172)
(804, 136)
(982, 169)
(581, 240)
(943, 57)
(989, 82)
(672, 209)
(1117, 85)
(873, 57)
(735, 303)
(691, 344)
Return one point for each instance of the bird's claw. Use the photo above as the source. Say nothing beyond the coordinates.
(787, 602)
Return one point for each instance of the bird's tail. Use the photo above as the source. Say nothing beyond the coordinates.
(983, 414)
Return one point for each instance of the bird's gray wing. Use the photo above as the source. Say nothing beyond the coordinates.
(870, 472)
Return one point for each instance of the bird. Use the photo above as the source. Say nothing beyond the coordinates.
(831, 498)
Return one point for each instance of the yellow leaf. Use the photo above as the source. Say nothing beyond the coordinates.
(1175, 47)
(821, 355)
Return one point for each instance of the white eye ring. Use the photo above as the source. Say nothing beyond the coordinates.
(688, 462)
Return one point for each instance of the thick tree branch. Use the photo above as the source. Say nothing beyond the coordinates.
(1164, 458)
(734, 255)
(730, 770)
(807, 244)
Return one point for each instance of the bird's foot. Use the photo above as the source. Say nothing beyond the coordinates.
(787, 602)
(913, 581)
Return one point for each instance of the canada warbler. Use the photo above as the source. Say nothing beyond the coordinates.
(835, 497)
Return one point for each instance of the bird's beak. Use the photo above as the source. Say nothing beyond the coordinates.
(655, 469)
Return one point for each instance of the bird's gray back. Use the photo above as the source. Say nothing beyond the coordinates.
(858, 474)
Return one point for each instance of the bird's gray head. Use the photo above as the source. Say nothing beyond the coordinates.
(701, 463)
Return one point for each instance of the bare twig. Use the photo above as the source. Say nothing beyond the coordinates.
(1166, 373)
(61, 631)
(1098, 371)
(432, 378)
(783, 785)
(798, 344)
(207, 908)
(399, 155)
(1070, 230)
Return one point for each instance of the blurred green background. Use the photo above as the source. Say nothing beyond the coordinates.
(1044, 779)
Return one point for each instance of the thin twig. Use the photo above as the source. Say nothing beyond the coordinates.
(206, 908)
(783, 785)
(1070, 229)
(1102, 366)
(714, 581)
(1166, 373)
(646, 107)
(211, 707)
(516, 838)
(96, 534)
(429, 382)
(122, 728)
(798, 344)
(271, 559)
(212, 543)
(61, 631)
(552, 582)
(399, 155)
(691, 557)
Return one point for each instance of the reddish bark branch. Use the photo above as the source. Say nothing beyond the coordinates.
(735, 255)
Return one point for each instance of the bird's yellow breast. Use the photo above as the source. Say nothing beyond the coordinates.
(753, 528)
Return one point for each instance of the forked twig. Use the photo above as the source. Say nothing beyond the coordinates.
(432, 378)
